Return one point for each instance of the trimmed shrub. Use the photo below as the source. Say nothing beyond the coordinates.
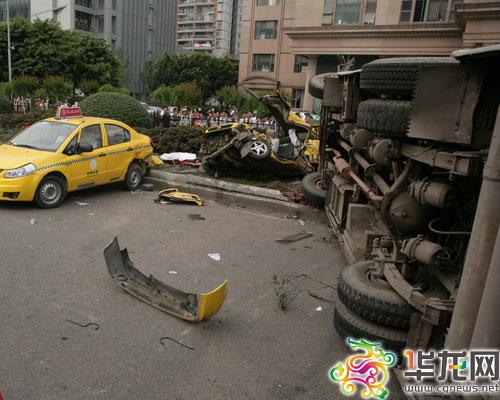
(5, 104)
(117, 106)
(176, 139)
(17, 121)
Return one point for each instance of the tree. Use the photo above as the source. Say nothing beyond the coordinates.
(42, 48)
(56, 88)
(24, 86)
(208, 72)
(108, 88)
(89, 86)
(231, 97)
(182, 95)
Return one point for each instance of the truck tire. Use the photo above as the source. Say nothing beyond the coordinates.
(398, 76)
(384, 116)
(312, 189)
(372, 298)
(347, 324)
(317, 84)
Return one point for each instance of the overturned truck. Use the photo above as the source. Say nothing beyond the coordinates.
(403, 148)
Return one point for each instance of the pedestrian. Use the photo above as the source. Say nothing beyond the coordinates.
(165, 119)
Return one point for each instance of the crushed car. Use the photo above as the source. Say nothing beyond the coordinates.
(290, 150)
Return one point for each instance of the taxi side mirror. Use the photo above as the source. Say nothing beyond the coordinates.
(84, 148)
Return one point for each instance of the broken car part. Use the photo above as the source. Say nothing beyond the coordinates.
(174, 196)
(188, 306)
(295, 237)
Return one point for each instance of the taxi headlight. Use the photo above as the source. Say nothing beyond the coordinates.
(20, 172)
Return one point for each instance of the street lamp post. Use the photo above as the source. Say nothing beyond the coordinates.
(9, 57)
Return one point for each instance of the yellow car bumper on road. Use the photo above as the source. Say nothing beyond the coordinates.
(19, 189)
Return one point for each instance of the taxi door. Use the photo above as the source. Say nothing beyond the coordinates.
(88, 169)
(119, 151)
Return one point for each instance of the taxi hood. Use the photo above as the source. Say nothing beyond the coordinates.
(14, 157)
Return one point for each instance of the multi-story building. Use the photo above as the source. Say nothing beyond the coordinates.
(17, 8)
(285, 43)
(139, 30)
(208, 26)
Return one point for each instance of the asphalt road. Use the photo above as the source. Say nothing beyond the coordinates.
(53, 269)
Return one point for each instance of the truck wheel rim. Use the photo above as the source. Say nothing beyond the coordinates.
(258, 148)
(50, 192)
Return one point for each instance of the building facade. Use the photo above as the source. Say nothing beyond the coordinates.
(285, 43)
(17, 8)
(209, 26)
(139, 30)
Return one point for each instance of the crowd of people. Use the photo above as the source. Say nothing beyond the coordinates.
(184, 117)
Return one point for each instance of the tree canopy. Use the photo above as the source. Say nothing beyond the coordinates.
(208, 72)
(42, 48)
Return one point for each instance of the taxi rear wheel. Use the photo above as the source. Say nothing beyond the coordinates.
(51, 192)
(133, 179)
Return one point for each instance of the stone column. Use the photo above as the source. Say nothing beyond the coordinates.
(312, 63)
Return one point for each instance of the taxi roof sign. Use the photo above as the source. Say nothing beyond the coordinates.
(68, 112)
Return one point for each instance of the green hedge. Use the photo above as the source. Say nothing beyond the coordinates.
(17, 121)
(177, 139)
(5, 104)
(117, 106)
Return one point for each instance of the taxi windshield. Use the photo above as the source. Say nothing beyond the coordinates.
(44, 135)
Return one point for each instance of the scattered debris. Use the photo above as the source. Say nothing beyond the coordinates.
(214, 256)
(196, 217)
(308, 247)
(175, 341)
(64, 338)
(295, 237)
(188, 306)
(172, 272)
(97, 326)
(286, 290)
(32, 221)
(147, 187)
(302, 223)
(178, 157)
(82, 203)
(319, 308)
(174, 196)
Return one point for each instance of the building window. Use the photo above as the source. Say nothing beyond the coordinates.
(268, 2)
(300, 64)
(266, 29)
(297, 98)
(100, 24)
(263, 62)
(83, 21)
(425, 11)
(113, 4)
(349, 12)
(85, 3)
(113, 24)
(328, 12)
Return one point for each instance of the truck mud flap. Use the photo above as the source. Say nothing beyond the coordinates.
(188, 306)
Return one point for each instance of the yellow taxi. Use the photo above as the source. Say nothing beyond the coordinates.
(71, 152)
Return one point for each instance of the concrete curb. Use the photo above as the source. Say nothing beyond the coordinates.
(217, 184)
(222, 193)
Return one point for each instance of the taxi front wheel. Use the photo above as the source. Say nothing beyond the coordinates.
(133, 178)
(51, 192)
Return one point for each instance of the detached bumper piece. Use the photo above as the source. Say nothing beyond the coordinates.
(188, 306)
(174, 196)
